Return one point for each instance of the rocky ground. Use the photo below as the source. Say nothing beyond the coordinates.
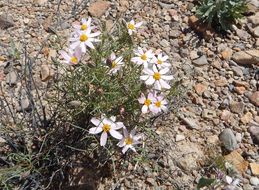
(219, 114)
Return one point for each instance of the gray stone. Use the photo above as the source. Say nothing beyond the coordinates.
(237, 71)
(164, 43)
(24, 105)
(254, 20)
(74, 103)
(237, 107)
(242, 34)
(174, 33)
(256, 31)
(254, 133)
(6, 21)
(201, 61)
(254, 181)
(244, 58)
(228, 139)
(179, 138)
(11, 78)
(208, 114)
(190, 123)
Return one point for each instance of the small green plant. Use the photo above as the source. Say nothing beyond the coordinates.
(220, 14)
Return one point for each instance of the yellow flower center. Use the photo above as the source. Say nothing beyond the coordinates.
(106, 128)
(159, 61)
(158, 104)
(131, 26)
(157, 76)
(147, 102)
(143, 57)
(114, 64)
(84, 27)
(74, 60)
(83, 37)
(128, 141)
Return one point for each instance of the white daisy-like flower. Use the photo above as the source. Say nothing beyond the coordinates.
(106, 126)
(84, 25)
(161, 61)
(142, 57)
(84, 38)
(159, 105)
(156, 77)
(129, 140)
(72, 57)
(116, 63)
(147, 102)
(132, 26)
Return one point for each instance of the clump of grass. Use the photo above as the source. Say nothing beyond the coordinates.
(50, 139)
(221, 14)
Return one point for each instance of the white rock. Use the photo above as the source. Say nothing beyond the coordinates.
(254, 181)
(179, 138)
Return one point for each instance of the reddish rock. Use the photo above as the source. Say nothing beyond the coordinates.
(200, 88)
(247, 118)
(240, 90)
(98, 8)
(221, 82)
(254, 98)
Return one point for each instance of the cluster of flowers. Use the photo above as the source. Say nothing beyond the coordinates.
(154, 74)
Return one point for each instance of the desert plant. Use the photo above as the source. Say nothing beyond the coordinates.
(220, 14)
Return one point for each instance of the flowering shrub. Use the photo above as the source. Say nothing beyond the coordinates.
(106, 76)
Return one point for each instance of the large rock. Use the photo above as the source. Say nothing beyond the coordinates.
(6, 21)
(228, 139)
(200, 61)
(247, 57)
(254, 98)
(98, 8)
(237, 161)
(254, 132)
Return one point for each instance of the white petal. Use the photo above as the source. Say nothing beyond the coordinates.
(132, 148)
(121, 143)
(118, 125)
(103, 139)
(115, 134)
(157, 85)
(138, 24)
(130, 32)
(95, 121)
(94, 34)
(167, 77)
(155, 69)
(164, 71)
(113, 118)
(132, 22)
(125, 148)
(89, 21)
(148, 71)
(142, 99)
(164, 58)
(74, 45)
(125, 132)
(150, 81)
(144, 109)
(95, 130)
(137, 137)
(164, 84)
(65, 55)
(83, 48)
(144, 77)
(90, 45)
